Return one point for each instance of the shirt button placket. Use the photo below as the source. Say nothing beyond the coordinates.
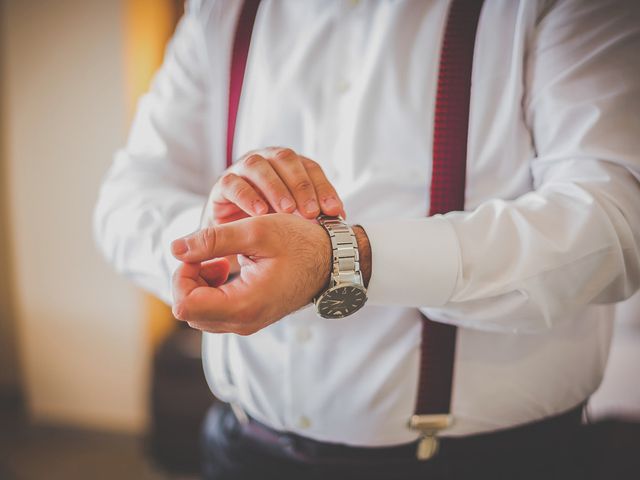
(304, 422)
(302, 334)
(343, 86)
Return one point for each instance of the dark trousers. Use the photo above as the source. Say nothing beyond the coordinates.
(551, 449)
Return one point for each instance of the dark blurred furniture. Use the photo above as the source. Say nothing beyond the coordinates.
(180, 399)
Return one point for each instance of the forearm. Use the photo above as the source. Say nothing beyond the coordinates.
(535, 261)
(521, 265)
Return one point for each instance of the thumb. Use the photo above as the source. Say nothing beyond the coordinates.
(217, 241)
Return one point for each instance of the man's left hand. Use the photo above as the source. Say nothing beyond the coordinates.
(284, 262)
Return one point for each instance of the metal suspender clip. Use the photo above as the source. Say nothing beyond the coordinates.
(241, 416)
(429, 426)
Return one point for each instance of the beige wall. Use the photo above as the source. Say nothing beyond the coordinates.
(81, 340)
(9, 373)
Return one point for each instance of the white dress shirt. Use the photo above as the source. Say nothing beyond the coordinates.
(550, 235)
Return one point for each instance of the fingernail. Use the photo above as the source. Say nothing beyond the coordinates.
(260, 207)
(286, 204)
(311, 206)
(331, 202)
(179, 246)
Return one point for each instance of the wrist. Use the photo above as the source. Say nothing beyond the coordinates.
(324, 261)
(364, 251)
(347, 281)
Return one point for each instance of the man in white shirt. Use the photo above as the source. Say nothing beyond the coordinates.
(549, 239)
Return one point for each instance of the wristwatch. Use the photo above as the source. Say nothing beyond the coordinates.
(346, 293)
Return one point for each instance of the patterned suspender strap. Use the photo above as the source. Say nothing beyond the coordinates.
(433, 404)
(239, 54)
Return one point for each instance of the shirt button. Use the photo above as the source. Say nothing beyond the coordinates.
(303, 334)
(304, 422)
(343, 86)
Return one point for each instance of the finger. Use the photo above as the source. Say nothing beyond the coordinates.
(290, 169)
(235, 189)
(330, 202)
(234, 238)
(225, 309)
(261, 174)
(231, 215)
(222, 208)
(208, 327)
(203, 304)
(185, 279)
(215, 272)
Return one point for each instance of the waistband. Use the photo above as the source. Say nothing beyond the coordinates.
(543, 438)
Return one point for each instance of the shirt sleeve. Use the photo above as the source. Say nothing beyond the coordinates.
(155, 190)
(523, 265)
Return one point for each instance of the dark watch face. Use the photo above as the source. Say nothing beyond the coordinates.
(341, 301)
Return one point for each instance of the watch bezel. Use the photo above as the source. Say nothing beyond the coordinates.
(329, 290)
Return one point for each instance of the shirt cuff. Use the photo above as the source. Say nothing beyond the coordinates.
(415, 262)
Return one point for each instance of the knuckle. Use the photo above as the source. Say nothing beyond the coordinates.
(303, 185)
(208, 238)
(228, 179)
(242, 190)
(312, 165)
(284, 153)
(253, 161)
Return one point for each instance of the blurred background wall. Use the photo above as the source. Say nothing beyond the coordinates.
(75, 338)
(64, 110)
(9, 369)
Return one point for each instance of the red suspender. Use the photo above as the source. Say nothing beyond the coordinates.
(239, 56)
(451, 124)
(447, 190)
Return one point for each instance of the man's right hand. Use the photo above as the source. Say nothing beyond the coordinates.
(271, 180)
